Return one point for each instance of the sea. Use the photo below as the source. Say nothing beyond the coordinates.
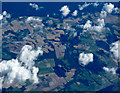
(17, 9)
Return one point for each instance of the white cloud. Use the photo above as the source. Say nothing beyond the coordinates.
(12, 71)
(116, 10)
(95, 4)
(75, 13)
(32, 19)
(34, 76)
(1, 17)
(110, 70)
(4, 13)
(101, 22)
(103, 14)
(84, 59)
(87, 25)
(115, 49)
(28, 55)
(65, 10)
(8, 16)
(29, 19)
(99, 27)
(108, 7)
(20, 69)
(81, 7)
(36, 23)
(35, 6)
(1, 80)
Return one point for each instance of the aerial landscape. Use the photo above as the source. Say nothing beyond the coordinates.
(63, 46)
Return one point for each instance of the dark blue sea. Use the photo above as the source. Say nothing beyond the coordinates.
(17, 9)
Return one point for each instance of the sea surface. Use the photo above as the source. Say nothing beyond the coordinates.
(17, 9)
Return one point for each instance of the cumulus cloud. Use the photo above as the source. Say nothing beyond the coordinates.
(99, 27)
(65, 10)
(115, 49)
(28, 55)
(110, 70)
(6, 15)
(87, 25)
(1, 17)
(81, 7)
(32, 19)
(20, 69)
(84, 59)
(12, 72)
(95, 4)
(103, 14)
(29, 19)
(116, 10)
(101, 22)
(75, 13)
(1, 80)
(35, 6)
(35, 22)
(108, 8)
